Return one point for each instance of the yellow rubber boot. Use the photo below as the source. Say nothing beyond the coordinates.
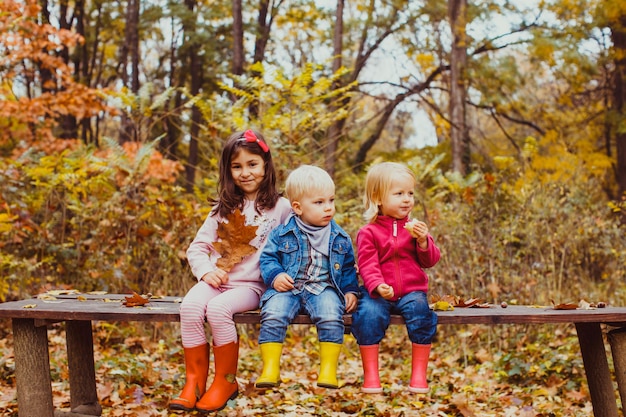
(329, 357)
(270, 353)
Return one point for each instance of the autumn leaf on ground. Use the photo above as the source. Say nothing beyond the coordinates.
(135, 300)
(235, 237)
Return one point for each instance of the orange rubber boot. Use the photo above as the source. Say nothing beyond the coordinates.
(224, 386)
(196, 372)
(419, 363)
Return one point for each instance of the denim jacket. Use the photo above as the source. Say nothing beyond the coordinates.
(284, 251)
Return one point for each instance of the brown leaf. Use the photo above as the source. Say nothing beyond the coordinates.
(469, 303)
(456, 301)
(564, 306)
(447, 298)
(235, 237)
(135, 300)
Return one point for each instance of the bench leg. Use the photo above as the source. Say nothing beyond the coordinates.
(32, 369)
(617, 340)
(83, 395)
(597, 369)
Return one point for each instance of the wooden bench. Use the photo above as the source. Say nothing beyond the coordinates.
(30, 318)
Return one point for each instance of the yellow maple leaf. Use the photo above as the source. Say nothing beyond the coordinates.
(442, 306)
(235, 237)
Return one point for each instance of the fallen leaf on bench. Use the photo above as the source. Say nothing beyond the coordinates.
(235, 237)
(62, 292)
(45, 297)
(448, 298)
(29, 306)
(135, 300)
(81, 298)
(472, 302)
(97, 292)
(442, 306)
(456, 301)
(564, 306)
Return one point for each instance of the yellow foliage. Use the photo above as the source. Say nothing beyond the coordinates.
(6, 222)
(426, 61)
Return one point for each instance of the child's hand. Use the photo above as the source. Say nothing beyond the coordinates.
(419, 230)
(283, 282)
(216, 278)
(351, 302)
(385, 291)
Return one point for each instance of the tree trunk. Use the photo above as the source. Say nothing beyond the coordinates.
(238, 55)
(264, 26)
(359, 160)
(618, 31)
(459, 138)
(130, 50)
(195, 70)
(334, 131)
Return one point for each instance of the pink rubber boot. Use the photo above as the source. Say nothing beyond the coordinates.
(419, 363)
(371, 379)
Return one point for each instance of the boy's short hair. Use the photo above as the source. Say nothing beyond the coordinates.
(305, 179)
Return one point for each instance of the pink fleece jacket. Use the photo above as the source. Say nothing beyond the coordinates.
(388, 254)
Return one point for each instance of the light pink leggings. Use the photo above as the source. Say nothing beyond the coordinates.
(217, 306)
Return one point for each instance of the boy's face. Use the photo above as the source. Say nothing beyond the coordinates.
(400, 199)
(316, 208)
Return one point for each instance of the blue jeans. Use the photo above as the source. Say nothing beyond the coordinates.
(372, 317)
(326, 312)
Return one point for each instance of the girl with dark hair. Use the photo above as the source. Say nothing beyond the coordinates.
(247, 182)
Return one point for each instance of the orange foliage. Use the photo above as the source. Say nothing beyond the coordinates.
(159, 168)
(29, 105)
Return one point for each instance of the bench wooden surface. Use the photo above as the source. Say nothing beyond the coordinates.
(109, 307)
(30, 317)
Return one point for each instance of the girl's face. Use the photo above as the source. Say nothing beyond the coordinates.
(399, 200)
(248, 171)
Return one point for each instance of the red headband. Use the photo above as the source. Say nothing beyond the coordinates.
(249, 136)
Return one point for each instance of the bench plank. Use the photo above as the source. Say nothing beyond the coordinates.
(110, 308)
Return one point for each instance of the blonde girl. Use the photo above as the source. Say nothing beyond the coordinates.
(392, 254)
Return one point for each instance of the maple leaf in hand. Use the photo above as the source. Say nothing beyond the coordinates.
(235, 240)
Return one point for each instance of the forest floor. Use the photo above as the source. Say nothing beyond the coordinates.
(474, 371)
